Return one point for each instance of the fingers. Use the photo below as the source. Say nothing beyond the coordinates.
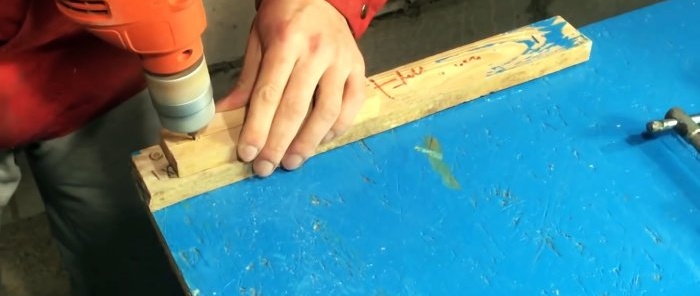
(290, 55)
(240, 94)
(292, 111)
(353, 99)
(324, 115)
(276, 68)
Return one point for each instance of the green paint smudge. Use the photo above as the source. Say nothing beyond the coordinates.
(432, 149)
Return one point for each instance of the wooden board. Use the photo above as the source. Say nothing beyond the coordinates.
(394, 98)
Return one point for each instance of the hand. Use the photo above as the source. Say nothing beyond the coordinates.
(303, 80)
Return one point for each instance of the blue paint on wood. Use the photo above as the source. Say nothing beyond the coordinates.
(558, 194)
(550, 31)
(553, 35)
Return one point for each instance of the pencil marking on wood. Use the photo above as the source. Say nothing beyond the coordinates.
(468, 60)
(399, 79)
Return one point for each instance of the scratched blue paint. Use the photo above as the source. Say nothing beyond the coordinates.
(553, 33)
(559, 195)
(553, 37)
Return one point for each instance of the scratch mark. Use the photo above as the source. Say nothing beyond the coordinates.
(486, 280)
(634, 282)
(653, 235)
(229, 284)
(315, 200)
(190, 257)
(440, 60)
(434, 152)
(581, 285)
(576, 154)
(616, 270)
(545, 213)
(317, 225)
(550, 244)
(364, 146)
(250, 267)
(474, 202)
(265, 262)
(431, 153)
(516, 221)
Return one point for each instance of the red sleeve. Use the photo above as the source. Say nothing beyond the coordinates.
(359, 13)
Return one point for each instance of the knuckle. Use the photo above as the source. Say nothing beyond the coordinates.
(315, 46)
(267, 94)
(287, 32)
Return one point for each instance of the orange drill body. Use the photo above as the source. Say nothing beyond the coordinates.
(167, 35)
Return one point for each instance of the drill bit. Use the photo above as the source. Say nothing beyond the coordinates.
(657, 126)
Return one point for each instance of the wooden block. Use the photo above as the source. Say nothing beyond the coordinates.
(215, 144)
(394, 98)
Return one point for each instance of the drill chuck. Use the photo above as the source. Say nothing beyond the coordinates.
(184, 101)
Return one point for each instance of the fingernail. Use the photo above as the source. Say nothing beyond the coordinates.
(329, 136)
(263, 168)
(247, 153)
(292, 162)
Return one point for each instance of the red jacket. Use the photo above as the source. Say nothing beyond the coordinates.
(55, 77)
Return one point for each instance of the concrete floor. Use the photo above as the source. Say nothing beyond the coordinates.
(29, 262)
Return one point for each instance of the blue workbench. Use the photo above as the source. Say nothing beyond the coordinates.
(543, 189)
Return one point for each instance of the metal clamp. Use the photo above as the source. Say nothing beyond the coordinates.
(676, 119)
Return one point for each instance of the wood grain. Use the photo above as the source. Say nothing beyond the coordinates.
(181, 168)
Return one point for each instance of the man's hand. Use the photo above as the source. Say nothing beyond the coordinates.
(303, 80)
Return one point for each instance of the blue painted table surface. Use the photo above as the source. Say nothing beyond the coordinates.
(557, 193)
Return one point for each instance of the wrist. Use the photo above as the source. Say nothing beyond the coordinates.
(358, 14)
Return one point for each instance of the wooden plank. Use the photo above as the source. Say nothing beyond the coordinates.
(394, 98)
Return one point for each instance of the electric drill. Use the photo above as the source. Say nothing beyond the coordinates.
(166, 34)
